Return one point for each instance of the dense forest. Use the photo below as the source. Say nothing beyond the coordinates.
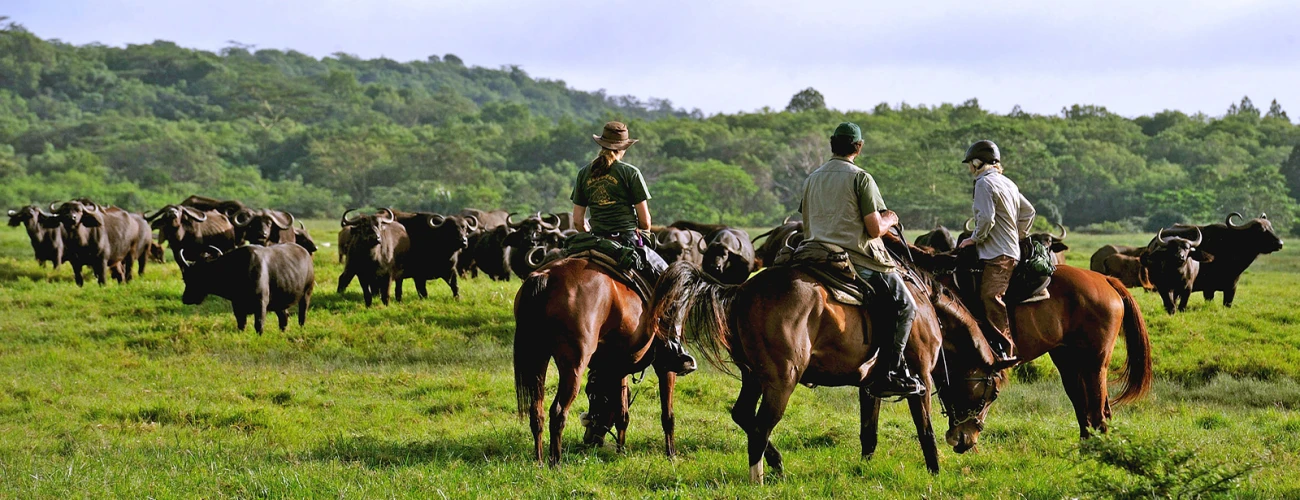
(146, 125)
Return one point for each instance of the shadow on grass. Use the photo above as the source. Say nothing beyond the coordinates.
(11, 272)
(378, 452)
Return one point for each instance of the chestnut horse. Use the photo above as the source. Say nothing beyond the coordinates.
(782, 329)
(1077, 326)
(577, 313)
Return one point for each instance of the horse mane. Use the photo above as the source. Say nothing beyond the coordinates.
(942, 298)
(687, 298)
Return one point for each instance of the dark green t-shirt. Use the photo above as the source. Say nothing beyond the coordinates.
(610, 198)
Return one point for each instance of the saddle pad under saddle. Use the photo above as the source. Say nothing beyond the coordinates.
(830, 267)
(611, 266)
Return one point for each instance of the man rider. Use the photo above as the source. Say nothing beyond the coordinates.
(1002, 217)
(842, 207)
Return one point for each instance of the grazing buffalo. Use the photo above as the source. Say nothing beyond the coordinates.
(1234, 247)
(255, 279)
(1055, 244)
(436, 243)
(488, 253)
(156, 254)
(1122, 262)
(47, 242)
(1172, 263)
(939, 240)
(104, 238)
(788, 234)
(377, 253)
(679, 245)
(728, 253)
(187, 228)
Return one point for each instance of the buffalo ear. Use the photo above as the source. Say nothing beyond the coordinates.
(1058, 247)
(92, 219)
(50, 222)
(1202, 255)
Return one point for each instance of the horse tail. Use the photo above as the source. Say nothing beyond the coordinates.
(1136, 374)
(689, 300)
(531, 353)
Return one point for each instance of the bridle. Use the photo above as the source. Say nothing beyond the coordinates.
(990, 382)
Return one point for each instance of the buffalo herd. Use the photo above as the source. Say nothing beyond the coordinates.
(210, 238)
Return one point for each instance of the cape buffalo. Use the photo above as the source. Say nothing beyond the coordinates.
(675, 244)
(487, 220)
(47, 242)
(938, 239)
(535, 231)
(728, 254)
(1234, 247)
(103, 238)
(436, 243)
(1122, 262)
(1172, 263)
(255, 279)
(185, 227)
(377, 253)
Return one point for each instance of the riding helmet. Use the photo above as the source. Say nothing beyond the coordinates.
(984, 151)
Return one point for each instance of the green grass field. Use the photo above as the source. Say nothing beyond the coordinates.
(122, 391)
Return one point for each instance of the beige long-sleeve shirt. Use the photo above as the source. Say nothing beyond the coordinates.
(1002, 215)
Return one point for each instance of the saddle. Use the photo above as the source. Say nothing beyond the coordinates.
(829, 265)
(619, 261)
(1029, 280)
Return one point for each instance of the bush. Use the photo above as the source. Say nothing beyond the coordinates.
(1124, 226)
(1165, 218)
(1116, 466)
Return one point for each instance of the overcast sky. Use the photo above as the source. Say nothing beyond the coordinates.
(1134, 56)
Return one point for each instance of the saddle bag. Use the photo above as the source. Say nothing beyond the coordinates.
(625, 256)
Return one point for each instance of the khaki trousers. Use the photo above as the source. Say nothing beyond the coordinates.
(997, 277)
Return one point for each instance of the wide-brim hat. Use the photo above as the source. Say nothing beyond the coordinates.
(614, 136)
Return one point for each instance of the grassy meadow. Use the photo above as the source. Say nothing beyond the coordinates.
(122, 391)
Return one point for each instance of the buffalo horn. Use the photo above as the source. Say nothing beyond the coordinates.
(1197, 243)
(12, 212)
(196, 214)
(1228, 221)
(52, 204)
(471, 222)
(512, 224)
(276, 220)
(968, 225)
(535, 256)
(702, 245)
(786, 221)
(245, 216)
(436, 225)
(391, 216)
(550, 225)
(789, 237)
(660, 237)
(1063, 231)
(184, 262)
(155, 215)
(1263, 215)
(344, 222)
(218, 250)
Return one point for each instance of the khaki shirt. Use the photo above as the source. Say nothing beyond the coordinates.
(836, 197)
(1002, 216)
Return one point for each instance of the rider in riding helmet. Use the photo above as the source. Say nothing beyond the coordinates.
(1002, 217)
(842, 207)
(616, 195)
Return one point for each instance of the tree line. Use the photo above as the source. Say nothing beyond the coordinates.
(144, 125)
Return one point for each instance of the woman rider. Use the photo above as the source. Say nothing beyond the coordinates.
(615, 193)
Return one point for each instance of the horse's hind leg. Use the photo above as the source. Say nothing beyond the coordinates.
(667, 382)
(621, 420)
(869, 407)
(770, 411)
(1093, 379)
(742, 412)
(565, 394)
(920, 406)
(1073, 387)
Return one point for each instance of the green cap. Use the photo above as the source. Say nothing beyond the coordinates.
(848, 129)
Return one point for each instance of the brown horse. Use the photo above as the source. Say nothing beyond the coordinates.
(781, 329)
(1077, 326)
(584, 318)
